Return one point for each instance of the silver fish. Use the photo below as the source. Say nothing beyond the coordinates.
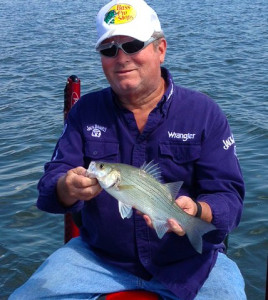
(141, 188)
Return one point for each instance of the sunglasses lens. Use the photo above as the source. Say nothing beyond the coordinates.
(128, 47)
(133, 46)
(110, 52)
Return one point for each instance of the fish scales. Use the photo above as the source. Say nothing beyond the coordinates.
(145, 187)
(150, 188)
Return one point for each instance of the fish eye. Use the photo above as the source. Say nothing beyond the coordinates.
(101, 166)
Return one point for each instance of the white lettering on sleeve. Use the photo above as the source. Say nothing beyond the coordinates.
(228, 142)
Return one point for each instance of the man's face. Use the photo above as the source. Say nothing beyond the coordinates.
(137, 73)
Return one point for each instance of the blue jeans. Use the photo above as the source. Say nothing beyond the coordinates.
(75, 272)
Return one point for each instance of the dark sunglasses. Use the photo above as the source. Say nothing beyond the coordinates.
(111, 49)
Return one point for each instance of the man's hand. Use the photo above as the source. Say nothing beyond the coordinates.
(74, 186)
(190, 207)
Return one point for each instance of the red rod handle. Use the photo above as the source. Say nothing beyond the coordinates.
(71, 96)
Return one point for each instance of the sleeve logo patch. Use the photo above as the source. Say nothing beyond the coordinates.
(228, 142)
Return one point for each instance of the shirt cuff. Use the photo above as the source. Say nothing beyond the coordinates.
(220, 213)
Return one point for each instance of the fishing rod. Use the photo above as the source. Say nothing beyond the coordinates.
(71, 96)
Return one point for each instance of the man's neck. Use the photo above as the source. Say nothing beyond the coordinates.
(142, 106)
(143, 101)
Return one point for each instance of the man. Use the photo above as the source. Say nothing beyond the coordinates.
(142, 116)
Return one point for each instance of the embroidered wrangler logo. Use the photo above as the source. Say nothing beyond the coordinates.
(181, 136)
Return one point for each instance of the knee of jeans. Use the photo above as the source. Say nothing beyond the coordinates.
(14, 296)
(233, 276)
(22, 293)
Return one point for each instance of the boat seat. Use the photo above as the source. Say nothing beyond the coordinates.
(131, 295)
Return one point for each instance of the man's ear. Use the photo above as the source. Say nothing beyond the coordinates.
(162, 48)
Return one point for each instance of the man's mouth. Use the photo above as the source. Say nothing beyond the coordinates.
(123, 71)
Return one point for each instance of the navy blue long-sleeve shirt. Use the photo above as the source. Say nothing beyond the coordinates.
(189, 137)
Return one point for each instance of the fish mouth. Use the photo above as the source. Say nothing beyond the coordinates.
(91, 171)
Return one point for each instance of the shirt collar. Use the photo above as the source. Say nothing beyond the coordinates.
(164, 103)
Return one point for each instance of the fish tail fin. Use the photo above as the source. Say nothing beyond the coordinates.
(195, 229)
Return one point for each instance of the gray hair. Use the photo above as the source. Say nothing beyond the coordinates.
(157, 35)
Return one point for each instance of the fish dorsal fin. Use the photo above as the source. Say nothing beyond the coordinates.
(152, 169)
(173, 188)
(125, 210)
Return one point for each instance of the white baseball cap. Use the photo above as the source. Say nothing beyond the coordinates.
(134, 18)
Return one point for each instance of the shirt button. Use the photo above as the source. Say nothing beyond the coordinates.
(146, 261)
(95, 152)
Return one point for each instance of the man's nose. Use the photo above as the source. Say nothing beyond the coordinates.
(121, 55)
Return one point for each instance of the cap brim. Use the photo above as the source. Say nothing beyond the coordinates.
(136, 34)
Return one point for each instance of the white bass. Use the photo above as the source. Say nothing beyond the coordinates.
(142, 189)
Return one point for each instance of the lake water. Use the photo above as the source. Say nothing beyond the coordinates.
(217, 47)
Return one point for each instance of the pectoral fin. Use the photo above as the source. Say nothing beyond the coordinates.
(160, 226)
(125, 210)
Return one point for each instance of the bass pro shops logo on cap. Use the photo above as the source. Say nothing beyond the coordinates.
(120, 14)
